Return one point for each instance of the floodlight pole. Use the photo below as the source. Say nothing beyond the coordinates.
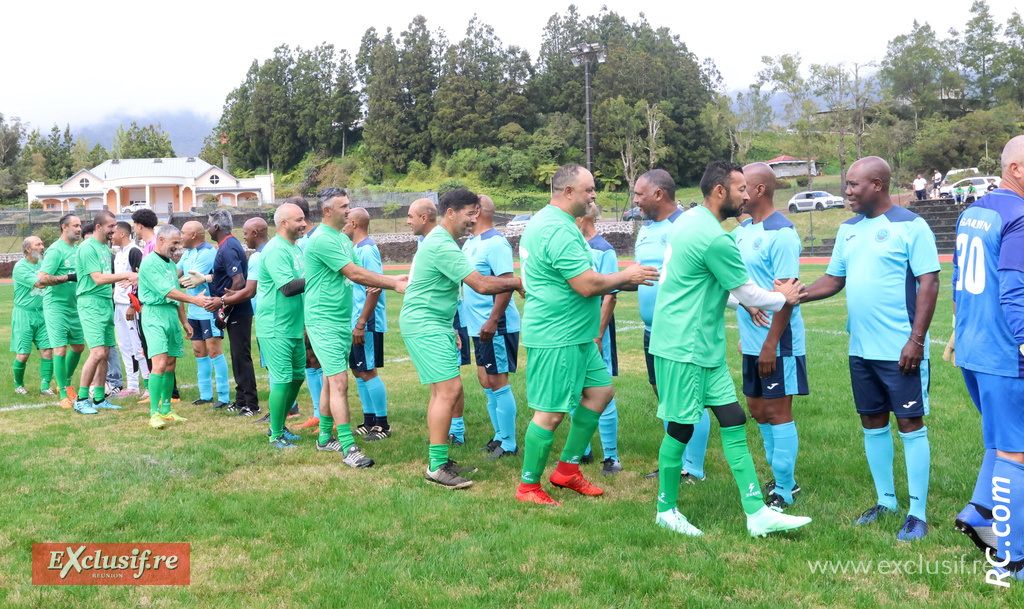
(587, 53)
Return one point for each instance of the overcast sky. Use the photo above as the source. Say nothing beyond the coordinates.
(75, 63)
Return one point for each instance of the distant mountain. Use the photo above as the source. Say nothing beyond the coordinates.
(186, 128)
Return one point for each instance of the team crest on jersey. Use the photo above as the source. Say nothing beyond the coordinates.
(882, 235)
(758, 243)
(664, 239)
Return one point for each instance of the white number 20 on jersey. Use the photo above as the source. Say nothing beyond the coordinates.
(971, 259)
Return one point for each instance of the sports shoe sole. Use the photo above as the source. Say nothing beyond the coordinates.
(983, 539)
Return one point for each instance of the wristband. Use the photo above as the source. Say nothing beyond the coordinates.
(222, 303)
(915, 342)
(72, 277)
(520, 282)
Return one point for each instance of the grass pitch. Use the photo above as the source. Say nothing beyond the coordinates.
(302, 530)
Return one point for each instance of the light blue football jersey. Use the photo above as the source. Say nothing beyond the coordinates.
(491, 255)
(651, 241)
(881, 259)
(199, 258)
(770, 250)
(605, 262)
(987, 266)
(369, 259)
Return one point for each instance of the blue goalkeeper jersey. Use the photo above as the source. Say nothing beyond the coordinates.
(651, 241)
(369, 259)
(491, 255)
(988, 285)
(881, 259)
(770, 251)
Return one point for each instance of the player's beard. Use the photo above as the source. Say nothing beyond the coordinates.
(732, 209)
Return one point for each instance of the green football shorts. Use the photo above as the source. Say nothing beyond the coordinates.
(434, 355)
(28, 327)
(285, 358)
(685, 390)
(556, 376)
(97, 317)
(162, 328)
(63, 327)
(331, 345)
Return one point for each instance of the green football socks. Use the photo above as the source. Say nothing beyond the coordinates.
(734, 444)
(584, 423)
(19, 373)
(438, 456)
(156, 391)
(167, 388)
(326, 426)
(45, 373)
(670, 466)
(60, 371)
(345, 436)
(537, 446)
(71, 360)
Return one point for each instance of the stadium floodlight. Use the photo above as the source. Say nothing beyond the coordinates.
(586, 54)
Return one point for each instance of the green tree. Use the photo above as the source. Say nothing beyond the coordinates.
(56, 150)
(385, 133)
(913, 69)
(391, 210)
(831, 82)
(1010, 63)
(149, 142)
(981, 47)
(418, 67)
(84, 156)
(783, 74)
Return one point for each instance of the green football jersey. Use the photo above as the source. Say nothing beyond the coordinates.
(328, 293)
(702, 263)
(93, 256)
(26, 294)
(59, 260)
(157, 277)
(432, 296)
(552, 251)
(279, 316)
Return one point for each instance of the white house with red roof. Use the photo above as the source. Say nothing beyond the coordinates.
(164, 185)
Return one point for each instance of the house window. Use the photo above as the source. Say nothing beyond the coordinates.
(215, 179)
(84, 182)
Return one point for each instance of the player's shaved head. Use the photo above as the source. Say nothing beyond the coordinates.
(758, 174)
(290, 221)
(486, 205)
(254, 231)
(872, 168)
(360, 217)
(1013, 152)
(422, 207)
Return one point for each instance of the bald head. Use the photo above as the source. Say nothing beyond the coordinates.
(424, 207)
(873, 168)
(761, 188)
(1013, 152)
(360, 218)
(422, 216)
(192, 234)
(289, 220)
(254, 231)
(867, 186)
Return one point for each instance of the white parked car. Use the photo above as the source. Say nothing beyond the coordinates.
(980, 184)
(520, 220)
(816, 200)
(134, 207)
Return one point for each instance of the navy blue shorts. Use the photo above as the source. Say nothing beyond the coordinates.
(464, 350)
(498, 356)
(203, 329)
(1000, 399)
(648, 357)
(790, 378)
(879, 386)
(369, 355)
